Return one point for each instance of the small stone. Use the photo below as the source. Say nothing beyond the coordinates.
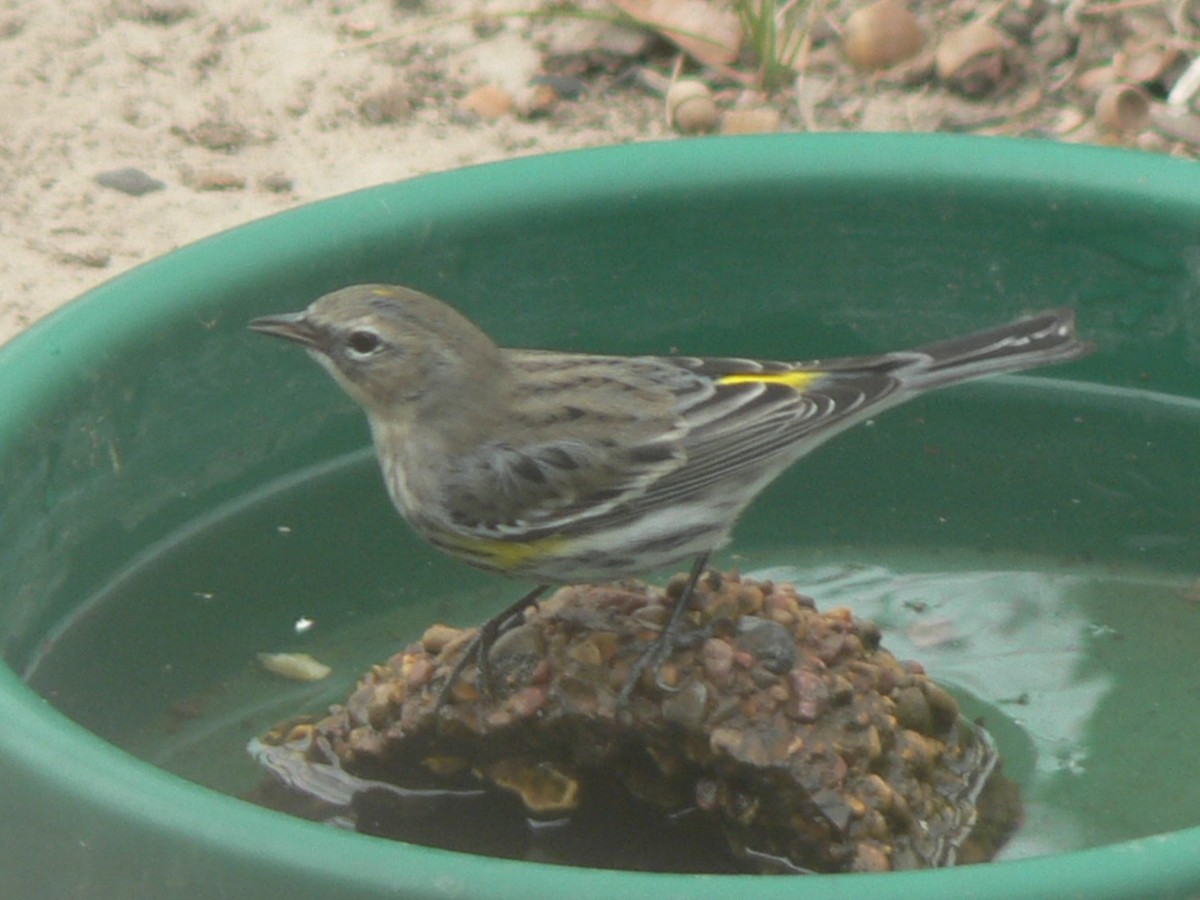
(749, 600)
(11, 26)
(156, 12)
(841, 690)
(1020, 17)
(522, 641)
(878, 793)
(676, 584)
(870, 857)
(420, 673)
(726, 741)
(488, 102)
(912, 710)
(760, 120)
(585, 653)
(386, 106)
(539, 99)
(881, 35)
(438, 636)
(943, 707)
(770, 643)
(218, 134)
(686, 707)
(361, 28)
(973, 60)
(216, 180)
(915, 751)
(834, 807)
(91, 256)
(690, 107)
(129, 180)
(716, 656)
(276, 182)
(527, 701)
(887, 678)
(296, 666)
(874, 744)
(841, 615)
(382, 699)
(810, 696)
(564, 86)
(829, 647)
(1123, 107)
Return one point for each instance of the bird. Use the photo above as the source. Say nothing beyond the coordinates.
(564, 467)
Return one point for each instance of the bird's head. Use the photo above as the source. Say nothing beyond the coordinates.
(393, 349)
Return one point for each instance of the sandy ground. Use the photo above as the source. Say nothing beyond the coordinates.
(242, 110)
(239, 110)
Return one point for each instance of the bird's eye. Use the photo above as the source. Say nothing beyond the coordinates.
(364, 342)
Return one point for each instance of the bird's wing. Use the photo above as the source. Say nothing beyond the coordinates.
(503, 489)
(587, 435)
(650, 432)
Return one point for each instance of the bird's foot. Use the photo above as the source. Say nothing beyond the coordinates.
(479, 648)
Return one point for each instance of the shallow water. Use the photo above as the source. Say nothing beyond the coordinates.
(1033, 544)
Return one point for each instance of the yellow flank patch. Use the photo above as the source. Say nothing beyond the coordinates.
(510, 555)
(798, 380)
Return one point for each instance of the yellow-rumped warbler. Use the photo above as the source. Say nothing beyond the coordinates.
(565, 467)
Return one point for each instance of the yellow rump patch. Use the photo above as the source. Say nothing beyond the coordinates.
(798, 380)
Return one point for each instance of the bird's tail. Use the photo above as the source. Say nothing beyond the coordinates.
(1038, 340)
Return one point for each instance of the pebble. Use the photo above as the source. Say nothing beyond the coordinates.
(129, 180)
(157, 12)
(522, 641)
(770, 643)
(717, 658)
(912, 709)
(1123, 107)
(870, 857)
(438, 636)
(565, 86)
(810, 696)
(276, 182)
(386, 106)
(538, 99)
(687, 706)
(216, 180)
(756, 120)
(881, 34)
(973, 59)
(297, 666)
(217, 134)
(488, 102)
(943, 707)
(92, 256)
(691, 108)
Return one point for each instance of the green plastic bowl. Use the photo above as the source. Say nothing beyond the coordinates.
(176, 490)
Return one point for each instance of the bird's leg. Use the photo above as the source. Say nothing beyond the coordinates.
(481, 645)
(658, 652)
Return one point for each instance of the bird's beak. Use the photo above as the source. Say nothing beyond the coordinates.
(293, 326)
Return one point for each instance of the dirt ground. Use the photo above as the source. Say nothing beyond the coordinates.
(229, 111)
